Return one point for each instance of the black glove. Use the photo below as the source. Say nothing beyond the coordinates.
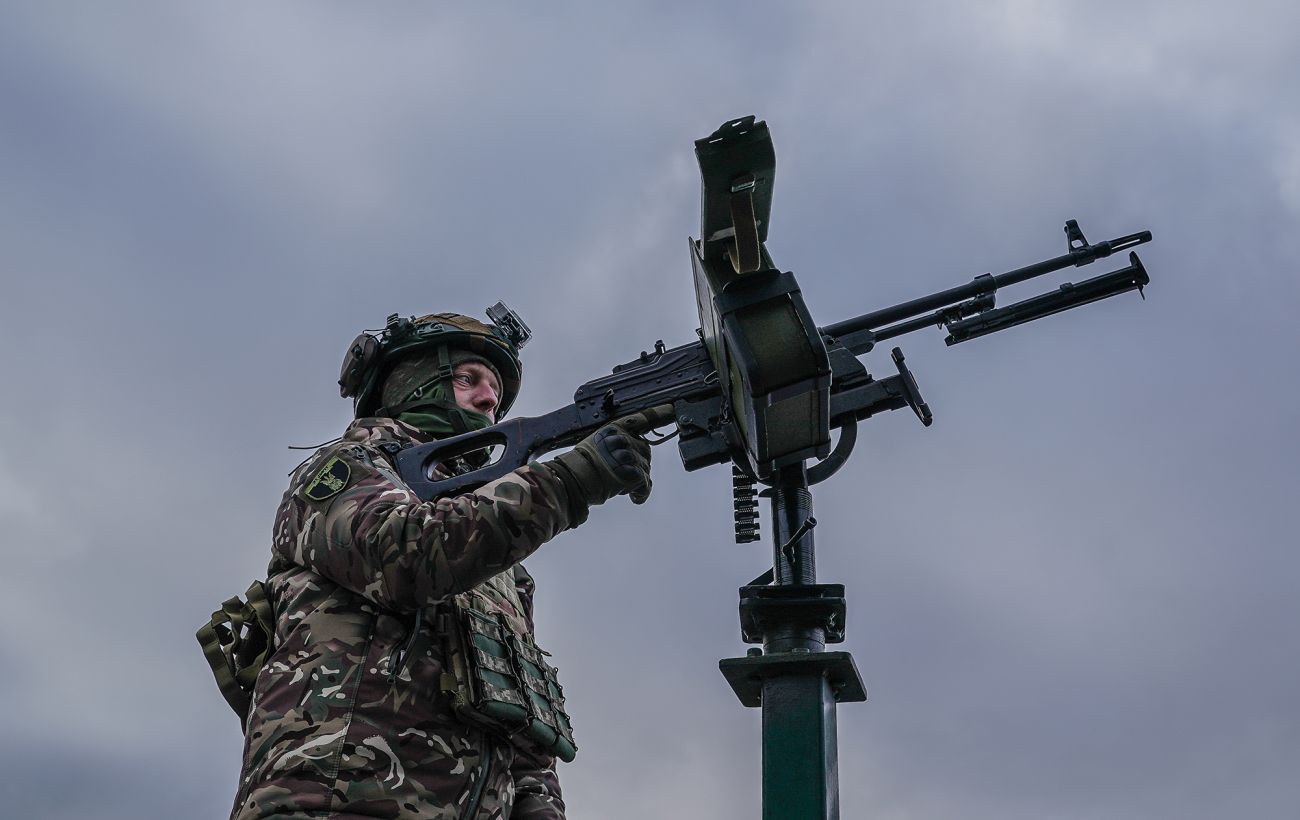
(613, 460)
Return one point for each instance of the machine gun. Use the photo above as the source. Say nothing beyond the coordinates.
(763, 387)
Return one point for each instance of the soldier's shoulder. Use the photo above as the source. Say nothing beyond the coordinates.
(337, 466)
(367, 443)
(314, 460)
(329, 472)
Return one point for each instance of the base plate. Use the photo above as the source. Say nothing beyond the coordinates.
(746, 674)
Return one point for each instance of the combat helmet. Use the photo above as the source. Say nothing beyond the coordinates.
(372, 356)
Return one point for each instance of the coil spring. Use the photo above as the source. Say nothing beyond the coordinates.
(745, 505)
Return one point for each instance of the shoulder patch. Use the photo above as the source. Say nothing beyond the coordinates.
(329, 480)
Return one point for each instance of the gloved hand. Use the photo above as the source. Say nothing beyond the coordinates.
(613, 460)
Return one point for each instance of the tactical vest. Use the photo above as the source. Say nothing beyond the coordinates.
(496, 676)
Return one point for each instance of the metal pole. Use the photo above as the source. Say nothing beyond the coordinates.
(800, 780)
(792, 678)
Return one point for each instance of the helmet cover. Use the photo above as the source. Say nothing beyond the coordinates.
(370, 358)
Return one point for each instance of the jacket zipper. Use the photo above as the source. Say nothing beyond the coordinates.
(402, 652)
(471, 808)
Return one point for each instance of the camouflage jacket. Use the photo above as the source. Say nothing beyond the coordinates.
(331, 733)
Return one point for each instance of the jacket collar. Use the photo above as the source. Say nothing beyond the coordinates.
(374, 430)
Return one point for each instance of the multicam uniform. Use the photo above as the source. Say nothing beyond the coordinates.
(332, 732)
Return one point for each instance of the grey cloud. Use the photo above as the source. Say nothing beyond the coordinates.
(1069, 597)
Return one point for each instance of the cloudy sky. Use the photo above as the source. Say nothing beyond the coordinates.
(1072, 597)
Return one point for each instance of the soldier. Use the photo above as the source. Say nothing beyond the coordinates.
(403, 680)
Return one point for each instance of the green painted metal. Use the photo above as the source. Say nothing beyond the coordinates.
(800, 774)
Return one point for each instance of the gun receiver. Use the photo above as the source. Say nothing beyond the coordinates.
(653, 379)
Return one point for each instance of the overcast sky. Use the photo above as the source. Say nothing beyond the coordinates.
(1072, 597)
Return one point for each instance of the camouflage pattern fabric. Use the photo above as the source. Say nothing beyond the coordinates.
(331, 733)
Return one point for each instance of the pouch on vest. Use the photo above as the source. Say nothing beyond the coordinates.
(235, 642)
(500, 681)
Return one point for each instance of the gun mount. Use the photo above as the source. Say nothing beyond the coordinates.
(763, 388)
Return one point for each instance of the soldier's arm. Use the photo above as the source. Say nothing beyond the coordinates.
(537, 788)
(349, 518)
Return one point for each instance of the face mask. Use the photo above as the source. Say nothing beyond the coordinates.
(439, 415)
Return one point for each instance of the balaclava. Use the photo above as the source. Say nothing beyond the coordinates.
(426, 399)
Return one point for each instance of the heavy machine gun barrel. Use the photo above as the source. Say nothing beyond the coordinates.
(861, 333)
(1069, 295)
